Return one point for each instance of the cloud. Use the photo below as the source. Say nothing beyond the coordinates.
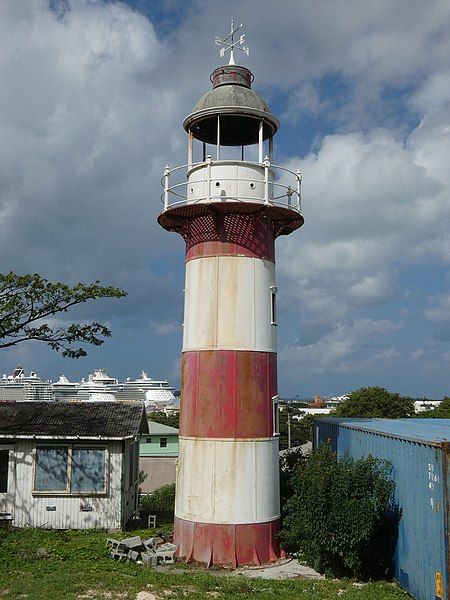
(347, 347)
(305, 102)
(86, 124)
(375, 205)
(167, 328)
(433, 93)
(367, 53)
(92, 99)
(373, 289)
(439, 315)
(440, 312)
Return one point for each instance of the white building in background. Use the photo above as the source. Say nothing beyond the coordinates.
(19, 387)
(334, 401)
(311, 411)
(425, 405)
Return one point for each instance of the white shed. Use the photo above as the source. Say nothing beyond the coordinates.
(70, 465)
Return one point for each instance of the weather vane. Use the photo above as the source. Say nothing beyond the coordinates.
(229, 44)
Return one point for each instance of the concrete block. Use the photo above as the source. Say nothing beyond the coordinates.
(149, 559)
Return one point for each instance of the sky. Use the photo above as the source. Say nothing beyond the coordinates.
(92, 101)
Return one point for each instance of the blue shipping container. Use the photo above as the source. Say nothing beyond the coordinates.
(419, 451)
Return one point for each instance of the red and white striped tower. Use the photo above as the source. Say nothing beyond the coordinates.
(229, 211)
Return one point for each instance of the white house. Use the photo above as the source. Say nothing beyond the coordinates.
(69, 465)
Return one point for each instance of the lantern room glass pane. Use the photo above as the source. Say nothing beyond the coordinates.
(88, 470)
(51, 469)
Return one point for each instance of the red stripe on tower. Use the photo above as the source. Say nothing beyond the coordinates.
(226, 392)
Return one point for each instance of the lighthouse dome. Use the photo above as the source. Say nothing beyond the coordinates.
(239, 108)
(231, 95)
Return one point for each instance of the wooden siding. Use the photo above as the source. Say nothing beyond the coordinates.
(130, 479)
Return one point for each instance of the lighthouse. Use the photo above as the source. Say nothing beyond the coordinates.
(230, 202)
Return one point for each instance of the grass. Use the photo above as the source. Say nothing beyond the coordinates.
(76, 565)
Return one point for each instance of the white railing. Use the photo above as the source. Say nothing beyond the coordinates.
(275, 190)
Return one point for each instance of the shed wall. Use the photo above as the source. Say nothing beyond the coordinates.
(130, 479)
(31, 510)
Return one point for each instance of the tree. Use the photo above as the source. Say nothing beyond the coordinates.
(341, 516)
(375, 402)
(26, 301)
(172, 420)
(300, 429)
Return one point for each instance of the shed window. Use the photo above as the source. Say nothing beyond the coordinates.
(148, 441)
(70, 469)
(51, 469)
(88, 470)
(4, 458)
(163, 442)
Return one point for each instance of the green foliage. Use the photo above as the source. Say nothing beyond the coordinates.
(441, 412)
(340, 516)
(375, 402)
(161, 500)
(27, 300)
(172, 420)
(306, 423)
(141, 479)
(290, 461)
(301, 430)
(69, 565)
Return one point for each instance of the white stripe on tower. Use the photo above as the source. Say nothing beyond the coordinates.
(228, 304)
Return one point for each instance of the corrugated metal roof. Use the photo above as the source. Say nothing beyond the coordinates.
(159, 428)
(90, 419)
(418, 430)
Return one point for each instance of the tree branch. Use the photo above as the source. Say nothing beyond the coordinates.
(27, 299)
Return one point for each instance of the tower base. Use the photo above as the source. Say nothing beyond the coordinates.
(221, 544)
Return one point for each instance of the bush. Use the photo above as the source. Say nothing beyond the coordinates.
(290, 461)
(161, 500)
(341, 516)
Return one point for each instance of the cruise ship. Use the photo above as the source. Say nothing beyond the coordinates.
(98, 386)
(19, 387)
(156, 394)
(150, 391)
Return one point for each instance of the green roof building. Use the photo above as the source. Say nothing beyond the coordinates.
(158, 452)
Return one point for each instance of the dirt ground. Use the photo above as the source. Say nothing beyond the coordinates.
(288, 568)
